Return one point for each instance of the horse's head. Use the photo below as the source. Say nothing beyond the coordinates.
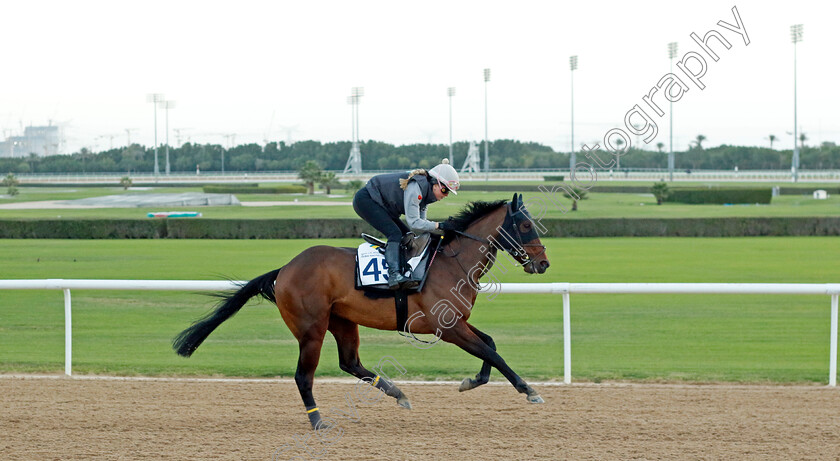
(521, 239)
(507, 226)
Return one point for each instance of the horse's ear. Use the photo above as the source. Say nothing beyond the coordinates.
(521, 203)
(514, 202)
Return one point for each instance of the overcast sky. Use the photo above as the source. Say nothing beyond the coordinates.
(254, 68)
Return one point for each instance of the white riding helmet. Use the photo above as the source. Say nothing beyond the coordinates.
(446, 176)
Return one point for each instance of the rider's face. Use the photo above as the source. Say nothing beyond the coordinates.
(440, 191)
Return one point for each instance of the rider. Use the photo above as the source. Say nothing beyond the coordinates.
(387, 196)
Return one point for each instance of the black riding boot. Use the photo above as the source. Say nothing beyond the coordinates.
(392, 258)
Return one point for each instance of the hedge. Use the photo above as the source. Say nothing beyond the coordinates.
(693, 227)
(254, 189)
(351, 228)
(643, 188)
(718, 196)
(137, 183)
(83, 229)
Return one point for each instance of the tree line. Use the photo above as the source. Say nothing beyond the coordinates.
(504, 154)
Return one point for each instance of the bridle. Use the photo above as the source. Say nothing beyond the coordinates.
(517, 249)
(521, 256)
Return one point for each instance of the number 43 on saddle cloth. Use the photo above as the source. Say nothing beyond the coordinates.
(372, 271)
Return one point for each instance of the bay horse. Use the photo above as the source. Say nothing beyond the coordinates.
(315, 292)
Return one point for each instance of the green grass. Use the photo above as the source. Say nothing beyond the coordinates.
(603, 205)
(744, 338)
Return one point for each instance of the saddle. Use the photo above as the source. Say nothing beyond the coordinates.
(416, 255)
(411, 245)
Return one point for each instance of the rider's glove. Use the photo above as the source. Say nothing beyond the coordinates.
(446, 225)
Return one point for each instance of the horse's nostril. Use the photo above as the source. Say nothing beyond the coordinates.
(544, 264)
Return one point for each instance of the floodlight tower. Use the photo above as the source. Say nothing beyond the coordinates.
(354, 162)
(451, 92)
(672, 53)
(573, 64)
(486, 141)
(357, 94)
(166, 105)
(155, 98)
(128, 136)
(796, 37)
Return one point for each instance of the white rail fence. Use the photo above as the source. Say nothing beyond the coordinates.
(564, 289)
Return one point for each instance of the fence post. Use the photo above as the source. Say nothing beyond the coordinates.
(68, 335)
(832, 355)
(567, 340)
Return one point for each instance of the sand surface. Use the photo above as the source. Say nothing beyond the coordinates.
(58, 419)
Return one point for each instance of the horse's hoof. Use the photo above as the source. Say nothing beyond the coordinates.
(535, 399)
(403, 402)
(466, 385)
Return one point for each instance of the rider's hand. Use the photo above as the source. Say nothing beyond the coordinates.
(446, 226)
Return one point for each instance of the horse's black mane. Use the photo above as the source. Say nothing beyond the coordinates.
(473, 211)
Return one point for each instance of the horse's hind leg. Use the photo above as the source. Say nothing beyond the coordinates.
(310, 352)
(483, 376)
(346, 335)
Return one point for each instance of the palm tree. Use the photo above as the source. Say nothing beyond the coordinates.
(575, 194)
(698, 141)
(659, 146)
(328, 181)
(802, 139)
(772, 138)
(660, 191)
(11, 182)
(310, 173)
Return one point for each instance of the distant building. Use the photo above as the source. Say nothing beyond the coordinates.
(39, 140)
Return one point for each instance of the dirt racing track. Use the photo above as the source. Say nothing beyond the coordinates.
(56, 418)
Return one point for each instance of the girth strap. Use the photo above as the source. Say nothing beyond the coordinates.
(401, 304)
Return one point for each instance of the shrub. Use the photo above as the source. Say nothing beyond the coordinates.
(553, 178)
(354, 185)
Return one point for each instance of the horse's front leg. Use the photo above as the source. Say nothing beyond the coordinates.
(462, 336)
(483, 376)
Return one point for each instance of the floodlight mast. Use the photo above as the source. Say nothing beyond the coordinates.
(450, 92)
(486, 141)
(357, 93)
(796, 37)
(672, 53)
(354, 162)
(155, 98)
(573, 64)
(166, 105)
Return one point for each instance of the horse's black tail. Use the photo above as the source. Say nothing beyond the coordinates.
(188, 340)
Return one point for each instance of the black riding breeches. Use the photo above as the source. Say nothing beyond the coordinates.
(376, 216)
